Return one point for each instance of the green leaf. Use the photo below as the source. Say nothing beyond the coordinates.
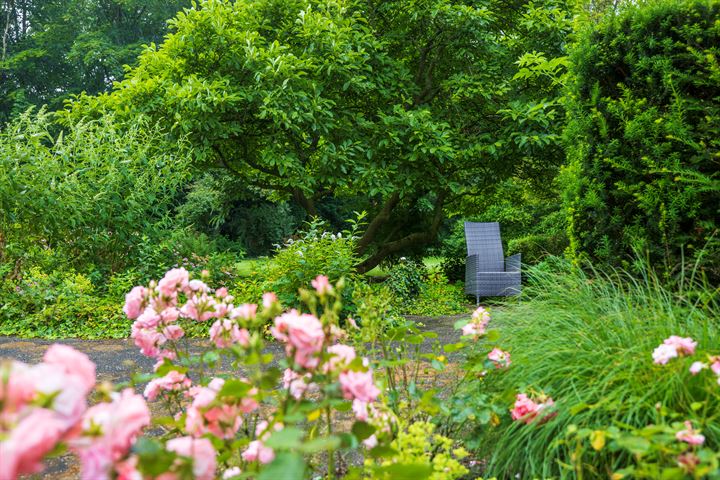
(635, 445)
(234, 388)
(362, 430)
(321, 444)
(286, 466)
(407, 471)
(285, 439)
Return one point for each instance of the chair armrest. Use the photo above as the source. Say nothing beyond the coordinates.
(513, 262)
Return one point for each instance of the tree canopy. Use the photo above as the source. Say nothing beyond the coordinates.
(408, 106)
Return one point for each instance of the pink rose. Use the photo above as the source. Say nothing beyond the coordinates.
(684, 346)
(257, 451)
(37, 434)
(359, 386)
(269, 299)
(321, 284)
(200, 451)
(198, 286)
(246, 311)
(696, 367)
(173, 332)
(302, 332)
(72, 362)
(225, 332)
(221, 292)
(689, 435)
(172, 381)
(68, 392)
(526, 410)
(663, 353)
(134, 302)
(200, 308)
(340, 356)
(174, 280)
(500, 358)
(109, 430)
(295, 382)
(17, 387)
(231, 472)
(715, 365)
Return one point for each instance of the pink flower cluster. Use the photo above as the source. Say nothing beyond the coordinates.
(478, 323)
(713, 364)
(673, 347)
(157, 309)
(499, 357)
(690, 435)
(302, 335)
(527, 410)
(256, 450)
(207, 414)
(45, 404)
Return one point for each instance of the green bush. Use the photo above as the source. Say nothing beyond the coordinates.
(405, 280)
(315, 252)
(93, 192)
(438, 297)
(62, 304)
(644, 135)
(587, 342)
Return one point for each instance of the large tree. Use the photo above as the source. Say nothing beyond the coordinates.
(52, 49)
(405, 104)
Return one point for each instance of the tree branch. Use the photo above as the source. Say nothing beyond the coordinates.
(413, 239)
(380, 219)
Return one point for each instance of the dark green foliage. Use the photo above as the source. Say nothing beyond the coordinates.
(644, 135)
(220, 205)
(405, 280)
(52, 49)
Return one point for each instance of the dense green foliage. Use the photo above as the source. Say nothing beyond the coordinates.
(643, 135)
(53, 49)
(587, 342)
(95, 191)
(376, 102)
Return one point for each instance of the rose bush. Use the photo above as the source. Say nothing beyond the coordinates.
(231, 408)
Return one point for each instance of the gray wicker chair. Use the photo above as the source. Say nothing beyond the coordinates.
(487, 272)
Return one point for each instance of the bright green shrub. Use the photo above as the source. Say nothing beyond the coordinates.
(61, 304)
(438, 297)
(587, 342)
(92, 192)
(315, 252)
(644, 134)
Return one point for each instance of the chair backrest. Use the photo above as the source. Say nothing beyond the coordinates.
(483, 240)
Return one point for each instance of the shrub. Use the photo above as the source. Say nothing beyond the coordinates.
(438, 297)
(405, 280)
(588, 342)
(315, 252)
(94, 191)
(60, 304)
(643, 135)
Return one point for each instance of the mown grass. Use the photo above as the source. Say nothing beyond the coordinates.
(587, 341)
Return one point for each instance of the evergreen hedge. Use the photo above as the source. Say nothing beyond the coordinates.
(643, 135)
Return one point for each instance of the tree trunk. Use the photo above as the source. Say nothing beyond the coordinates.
(411, 240)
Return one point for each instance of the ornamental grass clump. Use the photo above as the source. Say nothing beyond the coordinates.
(611, 350)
